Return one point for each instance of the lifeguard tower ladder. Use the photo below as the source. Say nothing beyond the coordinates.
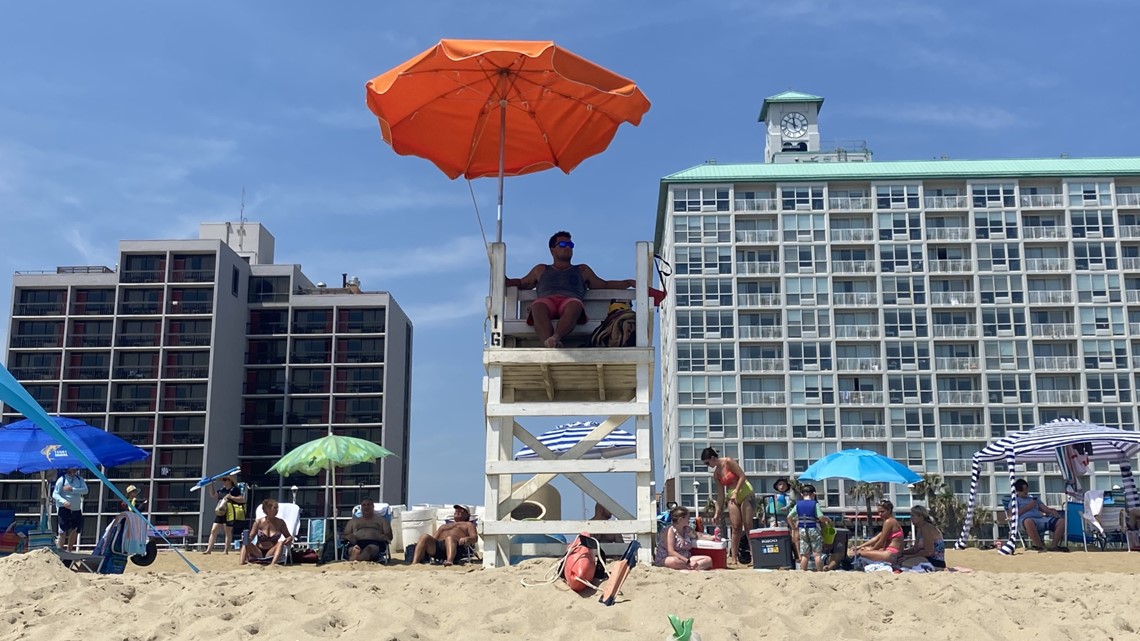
(527, 380)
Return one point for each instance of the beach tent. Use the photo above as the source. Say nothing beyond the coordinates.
(1041, 445)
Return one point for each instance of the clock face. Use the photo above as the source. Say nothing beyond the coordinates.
(794, 125)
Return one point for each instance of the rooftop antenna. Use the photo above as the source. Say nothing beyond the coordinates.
(241, 222)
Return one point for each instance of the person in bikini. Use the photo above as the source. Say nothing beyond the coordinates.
(269, 536)
(561, 290)
(733, 485)
(929, 546)
(888, 543)
(369, 534)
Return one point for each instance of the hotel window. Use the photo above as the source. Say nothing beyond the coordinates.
(900, 258)
(1122, 418)
(1009, 388)
(770, 320)
(804, 454)
(808, 323)
(1108, 388)
(701, 199)
(1007, 355)
(896, 197)
(996, 224)
(801, 198)
(805, 356)
(900, 226)
(703, 260)
(805, 258)
(1003, 288)
(807, 291)
(1089, 194)
(905, 322)
(748, 287)
(1105, 353)
(1010, 419)
(910, 388)
(702, 229)
(904, 290)
(803, 227)
(1102, 320)
(704, 324)
(706, 390)
(999, 321)
(812, 388)
(706, 357)
(813, 423)
(703, 292)
(708, 423)
(913, 423)
(1098, 288)
(907, 355)
(1092, 223)
(999, 256)
(923, 456)
(1095, 256)
(993, 195)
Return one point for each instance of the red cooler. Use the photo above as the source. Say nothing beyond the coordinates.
(715, 550)
(771, 548)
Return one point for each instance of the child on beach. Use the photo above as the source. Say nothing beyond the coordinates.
(675, 544)
(809, 519)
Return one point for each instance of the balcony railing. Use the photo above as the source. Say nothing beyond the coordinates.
(949, 233)
(1050, 297)
(1048, 264)
(263, 328)
(962, 397)
(860, 398)
(192, 276)
(964, 431)
(1045, 232)
(1060, 396)
(190, 307)
(947, 202)
(143, 275)
(136, 372)
(1128, 200)
(954, 331)
(366, 356)
(956, 465)
(1130, 264)
(358, 387)
(1053, 330)
(765, 432)
(137, 340)
(1056, 363)
(957, 364)
(86, 372)
(761, 364)
(856, 299)
(141, 308)
(1039, 201)
(984, 500)
(71, 405)
(91, 340)
(763, 267)
(853, 266)
(863, 431)
(1134, 329)
(37, 373)
(764, 398)
(184, 405)
(864, 235)
(187, 372)
(951, 266)
(757, 236)
(766, 465)
(756, 204)
(857, 331)
(132, 405)
(93, 309)
(858, 203)
(758, 300)
(37, 340)
(188, 340)
(952, 298)
(761, 331)
(39, 309)
(858, 364)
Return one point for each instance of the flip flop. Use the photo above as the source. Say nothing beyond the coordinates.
(1060, 548)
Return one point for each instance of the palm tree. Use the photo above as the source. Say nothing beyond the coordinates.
(870, 492)
(950, 509)
(928, 488)
(983, 522)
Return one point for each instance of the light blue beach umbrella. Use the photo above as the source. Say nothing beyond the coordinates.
(863, 466)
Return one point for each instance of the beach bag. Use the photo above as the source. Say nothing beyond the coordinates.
(618, 328)
(235, 512)
(220, 508)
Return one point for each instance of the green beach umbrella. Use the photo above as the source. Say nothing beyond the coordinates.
(328, 453)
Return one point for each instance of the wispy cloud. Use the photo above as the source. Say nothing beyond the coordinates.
(959, 116)
(987, 69)
(461, 304)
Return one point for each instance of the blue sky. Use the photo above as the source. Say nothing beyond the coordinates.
(129, 120)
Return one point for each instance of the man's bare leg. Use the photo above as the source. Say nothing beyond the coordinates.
(426, 545)
(452, 547)
(543, 328)
(570, 315)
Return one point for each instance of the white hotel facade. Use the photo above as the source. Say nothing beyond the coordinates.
(821, 301)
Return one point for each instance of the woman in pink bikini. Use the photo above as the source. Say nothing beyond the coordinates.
(888, 543)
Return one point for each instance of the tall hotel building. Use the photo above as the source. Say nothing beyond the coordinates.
(208, 355)
(822, 301)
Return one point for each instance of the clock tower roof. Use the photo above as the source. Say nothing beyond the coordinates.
(787, 96)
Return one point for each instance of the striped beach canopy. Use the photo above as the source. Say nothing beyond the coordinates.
(1039, 445)
(562, 438)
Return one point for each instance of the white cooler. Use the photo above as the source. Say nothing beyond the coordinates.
(414, 523)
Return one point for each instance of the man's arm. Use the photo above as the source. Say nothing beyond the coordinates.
(530, 281)
(593, 282)
(349, 532)
(80, 488)
(56, 493)
(385, 530)
(470, 534)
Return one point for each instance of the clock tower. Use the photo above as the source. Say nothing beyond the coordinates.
(792, 122)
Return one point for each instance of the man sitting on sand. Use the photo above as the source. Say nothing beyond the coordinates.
(1038, 518)
(444, 546)
(602, 514)
(368, 533)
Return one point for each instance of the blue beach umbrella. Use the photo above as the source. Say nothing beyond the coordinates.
(26, 447)
(564, 437)
(863, 466)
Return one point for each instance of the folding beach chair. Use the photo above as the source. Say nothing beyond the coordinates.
(290, 513)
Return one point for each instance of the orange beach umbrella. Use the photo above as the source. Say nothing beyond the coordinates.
(480, 108)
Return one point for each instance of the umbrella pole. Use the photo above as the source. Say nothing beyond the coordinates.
(502, 157)
(336, 539)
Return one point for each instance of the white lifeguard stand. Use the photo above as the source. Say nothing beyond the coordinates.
(526, 380)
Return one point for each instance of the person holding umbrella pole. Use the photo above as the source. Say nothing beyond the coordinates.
(70, 488)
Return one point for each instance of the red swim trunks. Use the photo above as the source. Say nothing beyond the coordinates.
(557, 306)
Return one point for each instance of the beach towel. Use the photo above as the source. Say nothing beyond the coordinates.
(135, 535)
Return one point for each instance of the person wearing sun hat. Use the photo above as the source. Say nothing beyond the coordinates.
(230, 510)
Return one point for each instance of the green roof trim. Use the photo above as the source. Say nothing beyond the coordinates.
(895, 171)
(787, 96)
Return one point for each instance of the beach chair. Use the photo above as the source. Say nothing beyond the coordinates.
(290, 513)
(125, 539)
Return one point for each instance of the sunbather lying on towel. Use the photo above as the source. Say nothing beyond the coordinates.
(444, 546)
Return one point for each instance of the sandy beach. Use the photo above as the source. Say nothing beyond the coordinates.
(1039, 596)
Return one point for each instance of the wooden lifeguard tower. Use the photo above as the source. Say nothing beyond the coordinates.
(527, 380)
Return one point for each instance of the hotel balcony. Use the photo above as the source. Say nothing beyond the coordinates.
(761, 331)
(855, 299)
(953, 298)
(1128, 200)
(858, 364)
(851, 204)
(132, 405)
(962, 397)
(1130, 264)
(187, 372)
(857, 331)
(196, 339)
(86, 372)
(758, 300)
(83, 406)
(32, 341)
(969, 432)
(133, 372)
(984, 500)
(761, 365)
(1056, 363)
(861, 398)
(763, 398)
(142, 276)
(1050, 297)
(1053, 330)
(853, 266)
(1134, 329)
(1058, 396)
(960, 364)
(756, 204)
(1048, 265)
(184, 405)
(190, 307)
(192, 276)
(1128, 232)
(853, 235)
(954, 331)
(766, 466)
(951, 266)
(37, 373)
(757, 236)
(1043, 201)
(956, 465)
(863, 431)
(765, 267)
(138, 340)
(765, 432)
(93, 309)
(949, 233)
(947, 202)
(39, 309)
(90, 340)
(1045, 233)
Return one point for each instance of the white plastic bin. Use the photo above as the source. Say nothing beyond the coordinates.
(415, 523)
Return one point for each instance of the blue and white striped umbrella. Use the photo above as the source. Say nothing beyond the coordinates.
(562, 438)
